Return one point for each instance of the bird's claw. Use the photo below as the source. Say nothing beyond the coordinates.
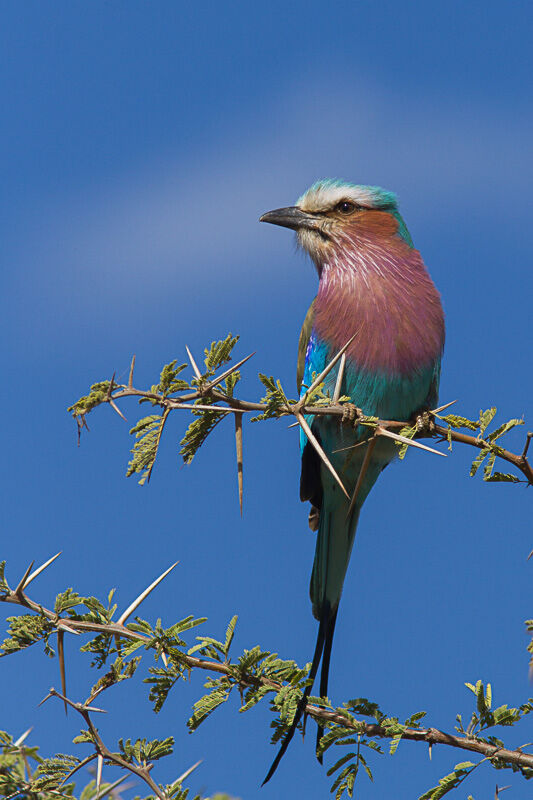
(349, 413)
(424, 423)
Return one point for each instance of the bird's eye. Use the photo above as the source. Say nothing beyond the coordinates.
(346, 207)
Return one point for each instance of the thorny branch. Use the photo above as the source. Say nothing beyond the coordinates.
(430, 736)
(208, 390)
(102, 750)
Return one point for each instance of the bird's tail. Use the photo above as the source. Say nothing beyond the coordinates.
(319, 647)
(334, 544)
(333, 548)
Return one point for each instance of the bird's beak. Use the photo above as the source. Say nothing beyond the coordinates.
(291, 217)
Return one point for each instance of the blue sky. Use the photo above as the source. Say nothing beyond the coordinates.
(141, 142)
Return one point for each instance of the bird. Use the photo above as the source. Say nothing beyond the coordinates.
(376, 295)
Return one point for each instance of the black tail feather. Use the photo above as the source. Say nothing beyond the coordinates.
(324, 674)
(319, 647)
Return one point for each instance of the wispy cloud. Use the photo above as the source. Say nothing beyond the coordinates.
(177, 219)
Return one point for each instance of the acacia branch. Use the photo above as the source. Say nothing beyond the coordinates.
(430, 736)
(104, 751)
(519, 461)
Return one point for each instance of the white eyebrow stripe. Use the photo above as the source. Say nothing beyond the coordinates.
(324, 195)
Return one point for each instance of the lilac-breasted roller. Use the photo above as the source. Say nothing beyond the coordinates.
(373, 286)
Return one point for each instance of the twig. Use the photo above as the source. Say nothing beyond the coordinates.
(107, 754)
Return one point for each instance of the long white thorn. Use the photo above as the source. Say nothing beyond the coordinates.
(130, 377)
(193, 363)
(99, 766)
(314, 441)
(117, 409)
(24, 580)
(40, 569)
(23, 738)
(137, 602)
(441, 408)
(230, 370)
(188, 772)
(67, 628)
(340, 375)
(62, 668)
(200, 407)
(109, 790)
(397, 438)
(362, 473)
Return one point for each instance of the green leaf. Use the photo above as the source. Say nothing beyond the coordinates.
(409, 433)
(340, 763)
(395, 741)
(455, 421)
(144, 452)
(507, 426)
(26, 630)
(275, 398)
(485, 418)
(197, 433)
(230, 630)
(97, 395)
(168, 380)
(489, 466)
(476, 463)
(219, 353)
(206, 705)
(161, 682)
(143, 751)
(448, 782)
(502, 477)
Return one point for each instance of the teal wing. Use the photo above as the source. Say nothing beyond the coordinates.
(305, 335)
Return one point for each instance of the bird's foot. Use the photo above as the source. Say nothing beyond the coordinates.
(424, 423)
(350, 413)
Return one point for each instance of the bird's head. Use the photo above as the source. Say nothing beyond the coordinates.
(332, 213)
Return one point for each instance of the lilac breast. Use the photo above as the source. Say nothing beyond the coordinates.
(379, 288)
